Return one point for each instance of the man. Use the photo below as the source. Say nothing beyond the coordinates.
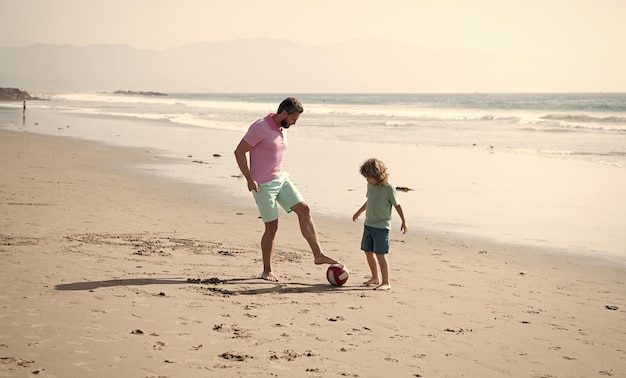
(270, 186)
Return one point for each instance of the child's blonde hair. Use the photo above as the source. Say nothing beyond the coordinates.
(376, 169)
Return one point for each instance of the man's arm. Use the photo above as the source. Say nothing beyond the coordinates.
(242, 161)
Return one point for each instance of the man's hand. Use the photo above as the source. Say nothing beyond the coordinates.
(253, 185)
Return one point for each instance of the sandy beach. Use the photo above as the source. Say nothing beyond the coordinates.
(110, 271)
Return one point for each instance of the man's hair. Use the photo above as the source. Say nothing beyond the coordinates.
(376, 169)
(291, 105)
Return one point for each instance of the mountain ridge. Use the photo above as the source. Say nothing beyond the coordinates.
(279, 65)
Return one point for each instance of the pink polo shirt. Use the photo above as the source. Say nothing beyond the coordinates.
(268, 147)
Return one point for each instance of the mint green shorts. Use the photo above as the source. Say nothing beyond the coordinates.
(280, 191)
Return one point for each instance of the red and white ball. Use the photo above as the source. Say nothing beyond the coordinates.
(337, 274)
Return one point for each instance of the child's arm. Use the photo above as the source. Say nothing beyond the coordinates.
(359, 212)
(403, 227)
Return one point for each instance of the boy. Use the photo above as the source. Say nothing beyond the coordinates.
(381, 197)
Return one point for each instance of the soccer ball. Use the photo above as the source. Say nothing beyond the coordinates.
(337, 274)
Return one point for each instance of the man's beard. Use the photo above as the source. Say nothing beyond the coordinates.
(284, 124)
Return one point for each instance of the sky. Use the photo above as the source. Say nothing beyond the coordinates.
(593, 31)
(513, 28)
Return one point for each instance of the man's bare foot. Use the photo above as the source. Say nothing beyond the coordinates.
(383, 287)
(269, 276)
(371, 281)
(323, 259)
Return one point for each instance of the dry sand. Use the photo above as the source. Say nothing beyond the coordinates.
(100, 266)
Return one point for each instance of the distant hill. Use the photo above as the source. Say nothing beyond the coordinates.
(271, 65)
(14, 94)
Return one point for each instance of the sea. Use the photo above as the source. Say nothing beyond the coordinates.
(546, 170)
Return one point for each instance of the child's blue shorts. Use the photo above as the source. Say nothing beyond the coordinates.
(375, 240)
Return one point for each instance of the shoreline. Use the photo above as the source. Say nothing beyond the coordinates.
(96, 259)
(560, 206)
(146, 164)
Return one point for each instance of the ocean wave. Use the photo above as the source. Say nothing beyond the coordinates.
(570, 128)
(615, 157)
(526, 131)
(449, 118)
(205, 120)
(565, 127)
(558, 152)
(584, 118)
(549, 129)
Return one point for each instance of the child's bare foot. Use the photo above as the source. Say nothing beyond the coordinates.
(323, 259)
(383, 287)
(371, 281)
(269, 276)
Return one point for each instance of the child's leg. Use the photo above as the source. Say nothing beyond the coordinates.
(384, 271)
(371, 261)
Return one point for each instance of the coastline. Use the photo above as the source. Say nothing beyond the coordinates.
(565, 206)
(96, 257)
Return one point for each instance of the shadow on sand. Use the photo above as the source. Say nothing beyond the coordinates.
(90, 285)
(232, 286)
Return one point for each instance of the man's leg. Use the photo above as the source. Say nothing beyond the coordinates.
(267, 249)
(307, 227)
